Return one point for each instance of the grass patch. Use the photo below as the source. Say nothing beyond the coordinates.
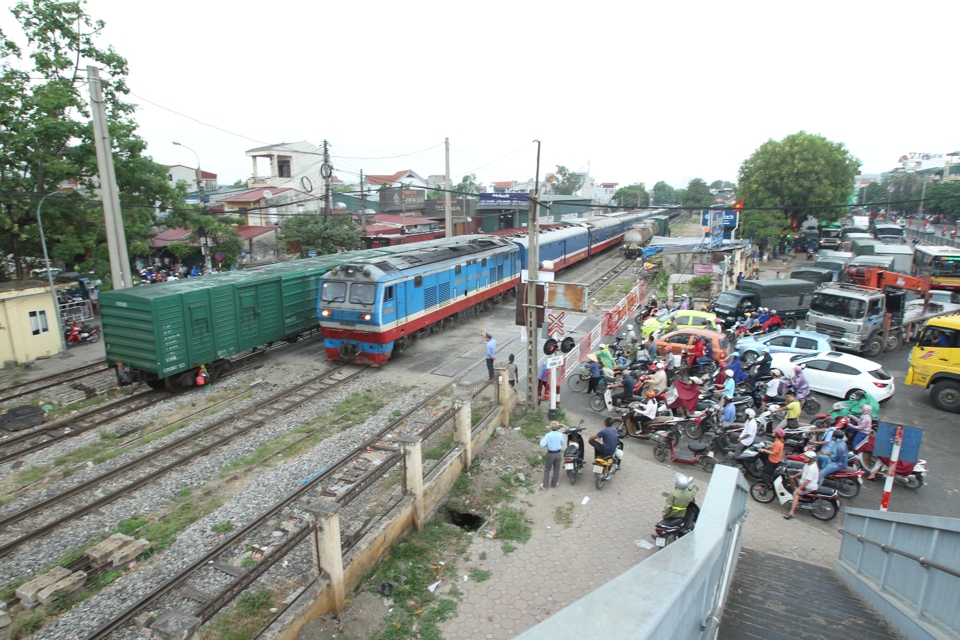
(248, 562)
(411, 566)
(441, 449)
(564, 515)
(130, 526)
(162, 532)
(483, 556)
(224, 527)
(508, 548)
(9, 592)
(479, 575)
(31, 474)
(513, 525)
(242, 621)
(27, 624)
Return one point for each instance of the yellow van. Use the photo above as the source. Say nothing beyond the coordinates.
(935, 362)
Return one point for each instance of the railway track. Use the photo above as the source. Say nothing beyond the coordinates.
(609, 275)
(36, 521)
(47, 382)
(175, 593)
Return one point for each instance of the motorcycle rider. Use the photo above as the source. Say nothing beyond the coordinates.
(678, 499)
(774, 390)
(669, 327)
(792, 409)
(772, 323)
(763, 316)
(763, 366)
(627, 384)
(631, 351)
(839, 457)
(729, 386)
(799, 383)
(749, 323)
(631, 334)
(736, 367)
(864, 426)
(749, 433)
(652, 348)
(707, 356)
(809, 478)
(649, 411)
(657, 383)
(684, 302)
(605, 442)
(773, 454)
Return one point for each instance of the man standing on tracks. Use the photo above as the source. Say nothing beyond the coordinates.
(491, 352)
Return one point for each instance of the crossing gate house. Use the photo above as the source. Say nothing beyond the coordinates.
(28, 323)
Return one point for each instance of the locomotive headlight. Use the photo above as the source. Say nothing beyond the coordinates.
(367, 316)
(326, 313)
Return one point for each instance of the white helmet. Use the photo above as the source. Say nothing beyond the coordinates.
(683, 482)
(728, 373)
(629, 327)
(751, 413)
(773, 312)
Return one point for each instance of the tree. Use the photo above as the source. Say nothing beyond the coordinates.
(468, 184)
(217, 232)
(324, 234)
(698, 194)
(874, 194)
(566, 182)
(943, 199)
(239, 184)
(663, 194)
(795, 175)
(722, 184)
(634, 195)
(46, 138)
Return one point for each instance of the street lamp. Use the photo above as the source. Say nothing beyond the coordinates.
(46, 260)
(199, 172)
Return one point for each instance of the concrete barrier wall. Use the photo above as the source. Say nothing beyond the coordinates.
(673, 593)
(907, 567)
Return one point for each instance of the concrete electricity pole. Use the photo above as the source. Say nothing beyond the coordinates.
(533, 261)
(325, 172)
(363, 206)
(109, 193)
(447, 214)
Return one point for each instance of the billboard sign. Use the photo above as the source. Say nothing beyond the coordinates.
(731, 218)
(409, 200)
(712, 223)
(504, 200)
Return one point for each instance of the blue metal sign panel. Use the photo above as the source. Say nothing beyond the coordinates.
(503, 199)
(731, 218)
(909, 448)
(716, 228)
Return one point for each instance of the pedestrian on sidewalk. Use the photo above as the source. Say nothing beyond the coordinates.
(512, 374)
(491, 352)
(554, 442)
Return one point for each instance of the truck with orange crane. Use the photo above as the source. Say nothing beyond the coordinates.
(868, 310)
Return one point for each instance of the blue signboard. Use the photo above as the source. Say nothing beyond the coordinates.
(311, 254)
(909, 448)
(503, 200)
(713, 228)
(731, 218)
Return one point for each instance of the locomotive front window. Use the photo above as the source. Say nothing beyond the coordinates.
(334, 292)
(362, 293)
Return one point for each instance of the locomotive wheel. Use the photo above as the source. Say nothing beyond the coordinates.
(157, 385)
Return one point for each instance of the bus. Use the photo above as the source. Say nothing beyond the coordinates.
(940, 262)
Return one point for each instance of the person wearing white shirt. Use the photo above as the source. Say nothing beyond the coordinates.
(749, 433)
(809, 477)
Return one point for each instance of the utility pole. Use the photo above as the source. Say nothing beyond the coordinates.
(325, 172)
(363, 206)
(109, 193)
(447, 214)
(533, 261)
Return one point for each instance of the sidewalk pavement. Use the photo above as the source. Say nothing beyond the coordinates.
(77, 356)
(560, 565)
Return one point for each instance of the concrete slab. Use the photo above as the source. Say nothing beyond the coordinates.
(27, 592)
(63, 587)
(100, 553)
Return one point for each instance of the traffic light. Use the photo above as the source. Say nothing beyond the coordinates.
(567, 345)
(550, 347)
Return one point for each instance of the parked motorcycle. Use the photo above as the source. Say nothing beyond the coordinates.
(77, 334)
(573, 454)
(823, 504)
(723, 446)
(911, 475)
(667, 441)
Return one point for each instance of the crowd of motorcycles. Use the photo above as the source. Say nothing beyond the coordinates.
(710, 443)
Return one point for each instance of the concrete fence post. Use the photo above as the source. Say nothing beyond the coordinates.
(413, 475)
(464, 427)
(506, 395)
(328, 547)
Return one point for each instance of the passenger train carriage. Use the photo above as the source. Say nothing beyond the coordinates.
(370, 308)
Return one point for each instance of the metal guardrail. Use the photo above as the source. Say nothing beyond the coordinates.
(692, 579)
(932, 238)
(906, 566)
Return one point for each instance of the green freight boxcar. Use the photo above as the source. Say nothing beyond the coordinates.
(163, 333)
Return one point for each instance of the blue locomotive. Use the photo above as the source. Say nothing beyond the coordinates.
(370, 308)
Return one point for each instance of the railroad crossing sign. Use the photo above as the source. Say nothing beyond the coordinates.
(556, 324)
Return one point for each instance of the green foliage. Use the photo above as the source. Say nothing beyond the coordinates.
(948, 207)
(513, 525)
(566, 182)
(248, 562)
(697, 194)
(564, 515)
(874, 193)
(633, 195)
(254, 601)
(699, 285)
(800, 171)
(216, 230)
(479, 575)
(663, 194)
(27, 624)
(223, 527)
(324, 234)
(131, 525)
(46, 138)
(508, 548)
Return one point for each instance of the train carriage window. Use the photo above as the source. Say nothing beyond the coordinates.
(363, 293)
(418, 281)
(388, 294)
(458, 269)
(333, 292)
(483, 263)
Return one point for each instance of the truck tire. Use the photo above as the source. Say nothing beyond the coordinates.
(894, 340)
(946, 395)
(874, 347)
(789, 323)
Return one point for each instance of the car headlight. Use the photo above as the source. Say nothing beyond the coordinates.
(366, 317)
(326, 313)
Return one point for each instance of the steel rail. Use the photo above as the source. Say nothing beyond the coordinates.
(52, 381)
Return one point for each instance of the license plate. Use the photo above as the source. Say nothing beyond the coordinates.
(661, 542)
(597, 468)
(569, 465)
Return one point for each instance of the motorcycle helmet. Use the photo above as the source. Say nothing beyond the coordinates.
(629, 327)
(779, 433)
(810, 455)
(728, 373)
(776, 373)
(736, 355)
(746, 315)
(683, 482)
(751, 413)
(773, 312)
(660, 365)
(837, 406)
(651, 394)
(618, 454)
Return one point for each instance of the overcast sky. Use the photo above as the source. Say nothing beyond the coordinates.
(642, 91)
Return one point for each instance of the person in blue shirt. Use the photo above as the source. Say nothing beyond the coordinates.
(605, 442)
(839, 456)
(491, 352)
(543, 380)
(738, 375)
(764, 315)
(941, 340)
(729, 386)
(729, 416)
(554, 442)
(594, 368)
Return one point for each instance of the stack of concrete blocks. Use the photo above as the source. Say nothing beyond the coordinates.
(116, 550)
(56, 583)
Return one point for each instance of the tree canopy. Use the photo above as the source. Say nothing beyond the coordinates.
(634, 195)
(722, 184)
(943, 198)
(663, 194)
(795, 175)
(46, 138)
(567, 182)
(323, 234)
(697, 194)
